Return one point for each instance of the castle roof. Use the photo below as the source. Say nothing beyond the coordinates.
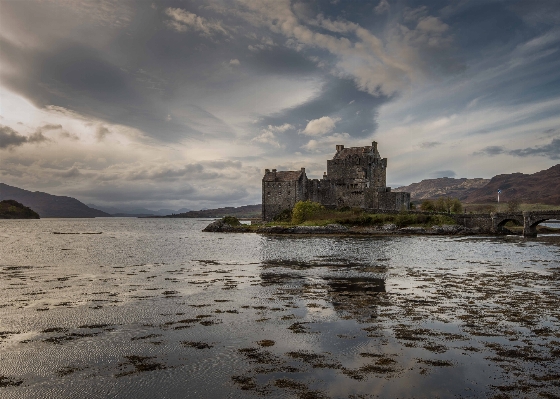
(283, 175)
(348, 152)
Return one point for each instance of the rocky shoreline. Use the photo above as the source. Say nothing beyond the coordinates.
(219, 226)
(382, 230)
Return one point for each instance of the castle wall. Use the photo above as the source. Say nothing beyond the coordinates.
(281, 191)
(393, 200)
(356, 178)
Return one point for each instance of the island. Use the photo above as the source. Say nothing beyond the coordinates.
(11, 209)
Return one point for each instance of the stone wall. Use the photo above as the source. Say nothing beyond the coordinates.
(355, 178)
(393, 200)
(482, 221)
(282, 190)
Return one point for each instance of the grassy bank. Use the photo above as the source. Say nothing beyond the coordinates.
(311, 214)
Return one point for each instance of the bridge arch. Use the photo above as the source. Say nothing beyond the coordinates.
(500, 219)
(532, 228)
(533, 219)
(500, 226)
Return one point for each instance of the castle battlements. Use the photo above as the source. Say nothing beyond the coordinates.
(355, 177)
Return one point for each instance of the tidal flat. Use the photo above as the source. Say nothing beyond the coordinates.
(150, 308)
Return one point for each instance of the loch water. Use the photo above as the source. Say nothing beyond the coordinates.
(155, 308)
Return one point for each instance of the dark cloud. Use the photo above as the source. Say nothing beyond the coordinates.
(491, 150)
(281, 60)
(9, 138)
(37, 137)
(67, 135)
(101, 132)
(50, 127)
(79, 77)
(551, 150)
(340, 99)
(430, 144)
(72, 172)
(443, 173)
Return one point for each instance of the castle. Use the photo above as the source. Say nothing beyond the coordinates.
(355, 177)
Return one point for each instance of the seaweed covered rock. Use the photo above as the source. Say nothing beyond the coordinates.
(227, 224)
(10, 209)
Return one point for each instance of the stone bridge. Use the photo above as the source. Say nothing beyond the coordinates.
(533, 218)
(495, 222)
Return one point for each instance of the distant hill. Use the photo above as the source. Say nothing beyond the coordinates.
(50, 206)
(538, 188)
(135, 212)
(247, 211)
(444, 186)
(10, 209)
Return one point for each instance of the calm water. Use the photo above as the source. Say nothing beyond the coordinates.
(149, 308)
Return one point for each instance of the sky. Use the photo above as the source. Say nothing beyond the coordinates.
(172, 104)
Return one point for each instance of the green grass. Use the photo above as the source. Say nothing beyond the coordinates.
(357, 217)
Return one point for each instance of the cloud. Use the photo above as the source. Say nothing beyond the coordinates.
(51, 127)
(267, 137)
(326, 143)
(491, 150)
(182, 21)
(9, 138)
(234, 62)
(355, 111)
(442, 173)
(430, 144)
(101, 132)
(67, 135)
(382, 7)
(379, 66)
(321, 126)
(72, 172)
(281, 128)
(268, 134)
(37, 137)
(551, 150)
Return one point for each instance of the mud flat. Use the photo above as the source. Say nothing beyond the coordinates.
(156, 308)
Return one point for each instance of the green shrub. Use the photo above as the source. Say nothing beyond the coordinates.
(428, 206)
(284, 216)
(456, 206)
(231, 220)
(305, 210)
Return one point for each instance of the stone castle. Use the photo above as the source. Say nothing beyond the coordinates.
(355, 177)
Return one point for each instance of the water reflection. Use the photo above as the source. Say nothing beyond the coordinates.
(156, 308)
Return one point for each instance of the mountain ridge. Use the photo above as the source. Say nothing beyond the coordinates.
(49, 205)
(541, 187)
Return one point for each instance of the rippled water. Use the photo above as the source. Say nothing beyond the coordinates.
(155, 308)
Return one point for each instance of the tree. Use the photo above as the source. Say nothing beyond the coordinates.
(440, 204)
(427, 206)
(456, 206)
(305, 210)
